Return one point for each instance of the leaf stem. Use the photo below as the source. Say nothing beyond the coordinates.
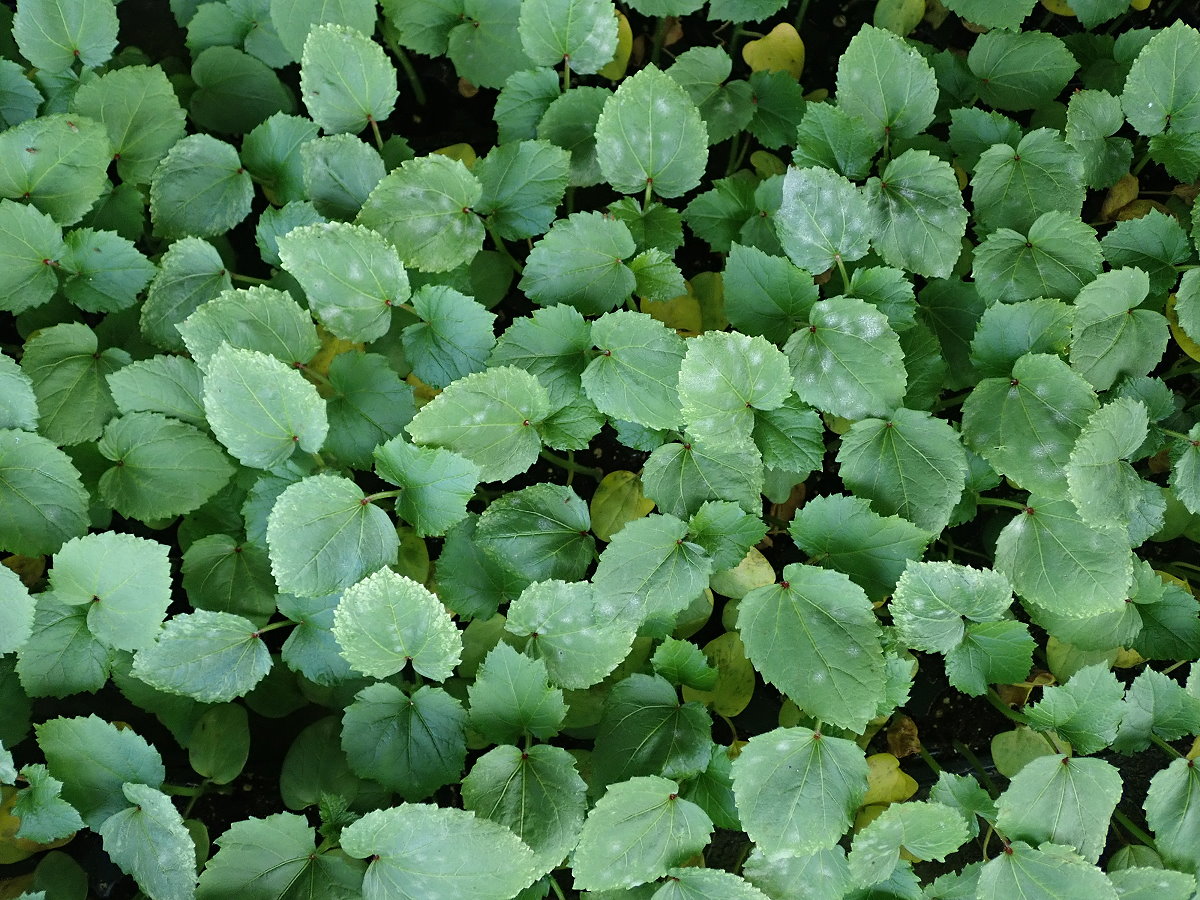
(570, 465)
(566, 75)
(1139, 833)
(1175, 434)
(414, 80)
(274, 626)
(382, 495)
(375, 132)
(1006, 710)
(558, 892)
(660, 36)
(314, 376)
(980, 769)
(501, 247)
(1165, 747)
(1000, 501)
(800, 15)
(1187, 267)
(648, 197)
(842, 269)
(248, 279)
(928, 758)
(181, 790)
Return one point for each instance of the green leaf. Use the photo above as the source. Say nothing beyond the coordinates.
(570, 121)
(488, 417)
(911, 464)
(220, 743)
(486, 46)
(682, 663)
(1007, 331)
(315, 764)
(235, 92)
(724, 377)
(277, 221)
(964, 793)
(1048, 871)
(706, 884)
(469, 581)
(370, 403)
(1156, 243)
(1025, 425)
(122, 580)
(477, 858)
(844, 533)
(831, 138)
(551, 344)
(94, 759)
(105, 272)
(990, 653)
(646, 730)
(163, 467)
(823, 218)
(524, 99)
(1163, 86)
(19, 96)
(61, 656)
(797, 790)
(199, 188)
(387, 621)
(1007, 14)
(1020, 70)
(766, 295)
(276, 854)
(848, 360)
(538, 533)
(1054, 559)
(718, 215)
(67, 369)
(1012, 187)
(648, 572)
(1104, 487)
(453, 339)
(190, 273)
(656, 227)
(149, 841)
(523, 183)
(295, 19)
(311, 648)
(636, 373)
(572, 630)
(260, 408)
(920, 219)
(18, 405)
(934, 602)
(580, 262)
(925, 829)
(346, 80)
(680, 477)
(974, 130)
(1172, 813)
(726, 108)
(790, 438)
(340, 171)
(511, 699)
(799, 633)
(323, 537)
(1177, 153)
(1085, 711)
(260, 318)
(536, 793)
(1156, 706)
(16, 611)
(726, 532)
(1185, 470)
(412, 745)
(351, 276)
(209, 656)
(650, 137)
(581, 33)
(31, 244)
(425, 208)
(637, 831)
(423, 25)
(435, 483)
(225, 575)
(886, 83)
(57, 163)
(271, 153)
(1061, 799)
(1093, 116)
(44, 815)
(53, 34)
(657, 277)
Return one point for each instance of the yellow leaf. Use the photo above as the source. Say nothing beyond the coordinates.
(12, 848)
(780, 50)
(1139, 208)
(1011, 750)
(1127, 659)
(331, 346)
(1173, 579)
(422, 392)
(1139, 5)
(681, 313)
(899, 16)
(1058, 7)
(464, 153)
(615, 70)
(868, 814)
(752, 572)
(29, 569)
(886, 781)
(618, 500)
(709, 290)
(1185, 342)
(735, 676)
(1123, 192)
(767, 164)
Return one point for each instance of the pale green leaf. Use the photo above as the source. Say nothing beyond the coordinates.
(260, 318)
(790, 438)
(581, 33)
(726, 532)
(650, 137)
(209, 656)
(28, 240)
(581, 262)
(990, 653)
(16, 611)
(1057, 258)
(1163, 86)
(724, 378)
(935, 601)
(435, 484)
(295, 19)
(511, 699)
(925, 829)
(1112, 339)
(104, 272)
(1156, 706)
(18, 405)
(53, 34)
(149, 841)
(1049, 871)
(387, 621)
(523, 184)
(340, 171)
(485, 46)
(886, 83)
(680, 477)
(1093, 117)
(61, 656)
(271, 152)
(919, 214)
(1173, 814)
(474, 858)
(1020, 70)
(538, 533)
(1156, 243)
(1012, 187)
(1085, 711)
(823, 218)
(44, 815)
(1007, 14)
(636, 373)
(199, 188)
(453, 339)
(523, 99)
(311, 648)
(346, 80)
(766, 295)
(551, 344)
(637, 831)
(1007, 331)
(190, 273)
(706, 884)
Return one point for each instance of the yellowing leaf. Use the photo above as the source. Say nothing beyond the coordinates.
(331, 346)
(767, 164)
(1058, 7)
(752, 572)
(899, 16)
(1011, 750)
(709, 290)
(1186, 344)
(1127, 659)
(1123, 192)
(464, 153)
(422, 392)
(695, 616)
(681, 313)
(1167, 576)
(886, 781)
(1139, 208)
(615, 70)
(29, 569)
(779, 50)
(868, 814)
(1139, 5)
(735, 676)
(617, 502)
